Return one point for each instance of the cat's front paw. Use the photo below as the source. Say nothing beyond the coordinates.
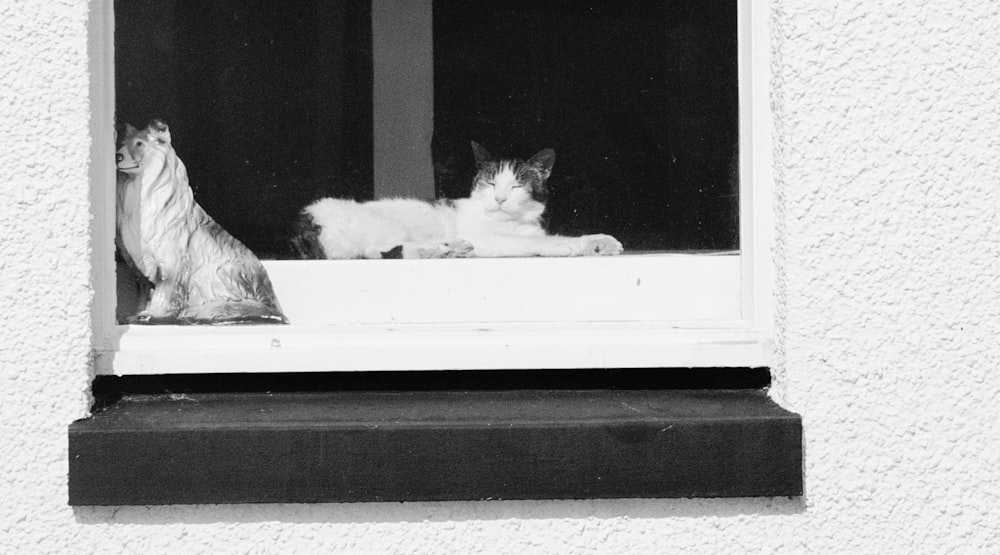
(456, 248)
(459, 248)
(601, 245)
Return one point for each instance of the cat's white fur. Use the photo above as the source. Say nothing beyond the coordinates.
(498, 219)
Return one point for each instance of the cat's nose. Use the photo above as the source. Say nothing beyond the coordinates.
(501, 200)
(119, 157)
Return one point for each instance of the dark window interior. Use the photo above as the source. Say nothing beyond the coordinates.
(638, 99)
(269, 103)
(270, 107)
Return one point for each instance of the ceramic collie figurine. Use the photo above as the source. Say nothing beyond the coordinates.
(501, 217)
(200, 273)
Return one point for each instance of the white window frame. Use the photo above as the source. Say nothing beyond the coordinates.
(640, 311)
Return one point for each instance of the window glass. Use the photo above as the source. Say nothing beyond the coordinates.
(270, 106)
(638, 99)
(269, 103)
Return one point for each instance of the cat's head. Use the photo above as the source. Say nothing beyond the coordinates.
(512, 188)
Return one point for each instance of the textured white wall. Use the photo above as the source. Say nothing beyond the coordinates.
(887, 164)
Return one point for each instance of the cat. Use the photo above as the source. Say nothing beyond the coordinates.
(501, 217)
(200, 273)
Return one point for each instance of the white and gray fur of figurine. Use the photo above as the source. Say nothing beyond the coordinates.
(200, 274)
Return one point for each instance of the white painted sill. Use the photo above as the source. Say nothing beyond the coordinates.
(463, 314)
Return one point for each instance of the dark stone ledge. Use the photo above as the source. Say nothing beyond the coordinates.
(418, 445)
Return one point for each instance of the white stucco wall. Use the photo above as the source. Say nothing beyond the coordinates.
(887, 166)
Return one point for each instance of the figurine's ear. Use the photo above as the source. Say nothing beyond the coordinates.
(481, 154)
(544, 161)
(159, 131)
(129, 130)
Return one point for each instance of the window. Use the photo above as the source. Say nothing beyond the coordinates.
(357, 113)
(659, 125)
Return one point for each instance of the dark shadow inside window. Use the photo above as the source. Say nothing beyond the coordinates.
(269, 103)
(638, 99)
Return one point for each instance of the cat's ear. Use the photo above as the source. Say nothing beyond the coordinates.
(481, 154)
(544, 161)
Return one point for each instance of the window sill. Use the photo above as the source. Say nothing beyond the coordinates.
(155, 350)
(356, 446)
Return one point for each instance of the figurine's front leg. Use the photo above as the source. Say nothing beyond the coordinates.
(162, 307)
